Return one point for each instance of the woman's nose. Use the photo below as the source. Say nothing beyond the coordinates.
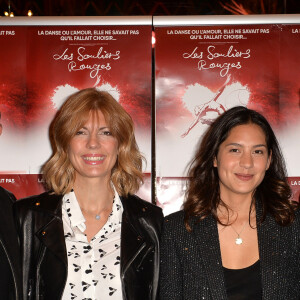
(246, 160)
(93, 141)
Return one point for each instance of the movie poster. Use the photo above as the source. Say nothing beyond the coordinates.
(289, 65)
(42, 65)
(202, 71)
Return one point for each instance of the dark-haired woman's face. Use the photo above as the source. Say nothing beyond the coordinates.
(242, 161)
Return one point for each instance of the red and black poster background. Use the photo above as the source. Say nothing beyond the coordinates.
(41, 65)
(201, 71)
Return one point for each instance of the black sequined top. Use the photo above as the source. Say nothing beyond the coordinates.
(191, 265)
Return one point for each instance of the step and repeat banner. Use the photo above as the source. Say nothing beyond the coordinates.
(43, 60)
(203, 67)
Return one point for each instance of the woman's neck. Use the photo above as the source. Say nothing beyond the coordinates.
(235, 208)
(93, 195)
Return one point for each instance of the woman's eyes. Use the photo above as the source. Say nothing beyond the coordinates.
(80, 132)
(105, 132)
(101, 132)
(256, 151)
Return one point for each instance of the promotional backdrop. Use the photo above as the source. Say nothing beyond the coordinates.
(203, 70)
(203, 66)
(42, 64)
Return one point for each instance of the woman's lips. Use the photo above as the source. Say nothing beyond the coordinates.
(244, 177)
(93, 159)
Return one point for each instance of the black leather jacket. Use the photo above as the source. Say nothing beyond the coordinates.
(9, 241)
(44, 251)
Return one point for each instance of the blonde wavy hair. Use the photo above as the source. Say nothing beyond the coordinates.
(58, 172)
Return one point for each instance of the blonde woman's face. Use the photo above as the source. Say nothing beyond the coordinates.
(93, 150)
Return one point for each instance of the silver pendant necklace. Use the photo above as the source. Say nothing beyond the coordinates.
(239, 240)
(97, 216)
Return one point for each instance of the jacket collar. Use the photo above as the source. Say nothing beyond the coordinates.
(207, 238)
(132, 239)
(51, 233)
(272, 246)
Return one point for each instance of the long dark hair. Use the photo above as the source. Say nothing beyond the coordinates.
(203, 192)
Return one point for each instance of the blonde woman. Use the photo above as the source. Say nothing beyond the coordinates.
(90, 237)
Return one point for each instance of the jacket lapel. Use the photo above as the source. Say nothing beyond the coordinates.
(52, 236)
(51, 233)
(131, 244)
(207, 238)
(132, 240)
(270, 252)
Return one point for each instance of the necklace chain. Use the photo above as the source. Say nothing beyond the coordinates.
(97, 216)
(239, 240)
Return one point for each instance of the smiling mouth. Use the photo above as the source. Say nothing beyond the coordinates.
(93, 158)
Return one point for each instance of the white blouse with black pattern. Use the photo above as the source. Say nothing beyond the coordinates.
(93, 268)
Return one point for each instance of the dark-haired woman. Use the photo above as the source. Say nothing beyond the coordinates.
(90, 237)
(238, 235)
